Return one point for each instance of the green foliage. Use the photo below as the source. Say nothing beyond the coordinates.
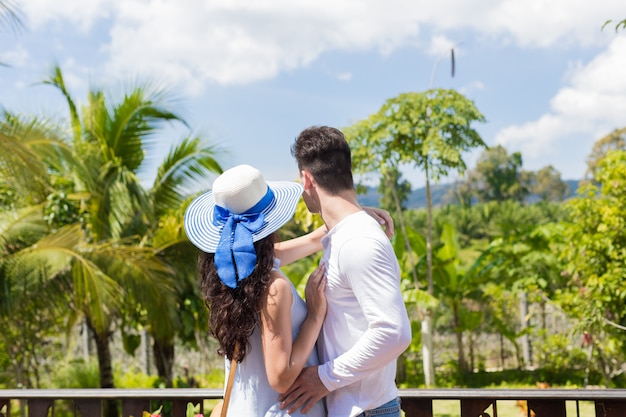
(616, 140)
(548, 185)
(597, 256)
(619, 24)
(484, 222)
(132, 378)
(76, 374)
(596, 262)
(77, 213)
(560, 355)
(514, 378)
(499, 176)
(430, 129)
(393, 191)
(60, 210)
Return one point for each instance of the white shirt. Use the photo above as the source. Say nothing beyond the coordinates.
(366, 326)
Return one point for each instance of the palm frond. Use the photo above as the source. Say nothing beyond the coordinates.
(28, 271)
(56, 80)
(147, 281)
(33, 148)
(47, 257)
(21, 227)
(10, 15)
(133, 123)
(187, 165)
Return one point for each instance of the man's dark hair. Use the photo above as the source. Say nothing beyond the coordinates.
(325, 153)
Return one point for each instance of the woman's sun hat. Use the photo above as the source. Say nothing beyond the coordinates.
(240, 209)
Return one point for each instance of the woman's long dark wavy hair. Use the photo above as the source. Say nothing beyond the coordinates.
(234, 312)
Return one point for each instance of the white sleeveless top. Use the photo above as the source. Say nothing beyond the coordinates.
(252, 395)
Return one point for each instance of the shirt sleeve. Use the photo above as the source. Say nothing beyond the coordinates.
(371, 269)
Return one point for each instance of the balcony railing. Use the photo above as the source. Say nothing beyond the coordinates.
(415, 402)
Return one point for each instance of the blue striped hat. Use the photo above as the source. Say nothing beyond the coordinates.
(240, 209)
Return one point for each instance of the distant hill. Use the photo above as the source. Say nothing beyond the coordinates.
(417, 198)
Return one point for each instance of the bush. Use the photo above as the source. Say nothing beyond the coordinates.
(76, 374)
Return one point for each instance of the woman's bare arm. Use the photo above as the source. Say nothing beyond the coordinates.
(284, 357)
(291, 250)
(297, 248)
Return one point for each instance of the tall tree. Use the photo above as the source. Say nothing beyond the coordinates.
(186, 166)
(393, 190)
(524, 259)
(455, 288)
(596, 262)
(616, 140)
(32, 300)
(430, 131)
(500, 176)
(548, 185)
(111, 140)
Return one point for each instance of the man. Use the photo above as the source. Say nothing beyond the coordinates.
(366, 326)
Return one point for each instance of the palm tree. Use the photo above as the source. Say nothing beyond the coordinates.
(185, 168)
(90, 225)
(44, 255)
(29, 147)
(109, 142)
(112, 141)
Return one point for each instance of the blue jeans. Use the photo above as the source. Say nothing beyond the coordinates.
(390, 409)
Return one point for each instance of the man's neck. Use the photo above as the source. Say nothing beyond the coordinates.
(335, 208)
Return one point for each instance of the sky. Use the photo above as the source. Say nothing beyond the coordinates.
(250, 75)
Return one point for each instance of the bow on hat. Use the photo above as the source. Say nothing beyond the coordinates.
(235, 256)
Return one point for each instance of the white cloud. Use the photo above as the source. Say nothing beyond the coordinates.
(344, 76)
(440, 45)
(79, 13)
(469, 88)
(18, 57)
(593, 103)
(239, 41)
(529, 23)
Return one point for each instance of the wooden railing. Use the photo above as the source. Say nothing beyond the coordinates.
(415, 402)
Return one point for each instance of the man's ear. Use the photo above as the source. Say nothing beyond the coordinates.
(307, 179)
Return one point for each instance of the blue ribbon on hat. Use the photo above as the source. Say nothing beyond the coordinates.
(235, 256)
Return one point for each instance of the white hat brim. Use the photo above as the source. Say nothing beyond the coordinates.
(203, 234)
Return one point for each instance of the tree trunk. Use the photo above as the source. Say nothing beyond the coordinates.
(86, 341)
(459, 339)
(401, 369)
(145, 352)
(401, 373)
(471, 352)
(427, 320)
(407, 244)
(103, 350)
(427, 349)
(164, 361)
(429, 236)
(526, 348)
(501, 351)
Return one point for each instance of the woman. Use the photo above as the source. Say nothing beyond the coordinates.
(255, 312)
